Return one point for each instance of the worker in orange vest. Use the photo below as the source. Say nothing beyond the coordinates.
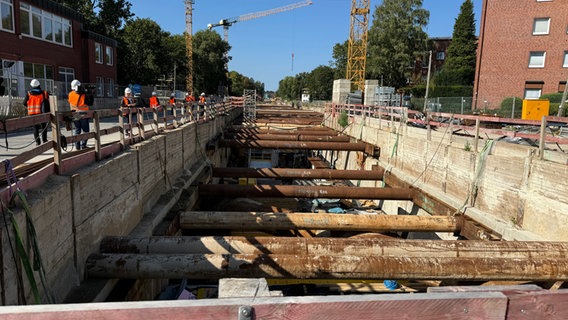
(78, 100)
(202, 98)
(37, 102)
(154, 101)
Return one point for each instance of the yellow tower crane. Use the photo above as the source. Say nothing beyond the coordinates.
(189, 42)
(226, 23)
(357, 52)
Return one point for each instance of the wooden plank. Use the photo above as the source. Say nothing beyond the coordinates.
(490, 306)
(539, 305)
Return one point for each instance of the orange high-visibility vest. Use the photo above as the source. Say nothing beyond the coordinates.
(172, 101)
(34, 102)
(201, 99)
(77, 101)
(154, 102)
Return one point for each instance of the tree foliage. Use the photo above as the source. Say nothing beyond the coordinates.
(238, 83)
(142, 61)
(340, 56)
(209, 60)
(320, 83)
(459, 67)
(396, 37)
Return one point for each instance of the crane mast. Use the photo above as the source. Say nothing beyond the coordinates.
(189, 43)
(357, 52)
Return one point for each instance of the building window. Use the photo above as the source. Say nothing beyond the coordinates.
(561, 86)
(108, 56)
(100, 87)
(42, 72)
(440, 55)
(565, 64)
(541, 26)
(109, 87)
(43, 25)
(533, 89)
(7, 14)
(536, 59)
(98, 53)
(66, 75)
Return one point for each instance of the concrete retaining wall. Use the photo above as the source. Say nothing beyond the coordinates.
(518, 195)
(109, 198)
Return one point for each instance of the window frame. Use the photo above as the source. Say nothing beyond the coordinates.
(34, 23)
(532, 55)
(541, 33)
(100, 85)
(440, 55)
(10, 4)
(109, 89)
(109, 55)
(565, 63)
(99, 57)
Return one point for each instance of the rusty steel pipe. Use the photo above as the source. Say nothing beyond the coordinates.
(281, 173)
(206, 266)
(280, 132)
(336, 246)
(284, 191)
(288, 137)
(304, 121)
(269, 144)
(324, 221)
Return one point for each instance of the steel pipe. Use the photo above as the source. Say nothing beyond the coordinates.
(317, 266)
(268, 144)
(336, 246)
(289, 137)
(324, 221)
(280, 173)
(282, 191)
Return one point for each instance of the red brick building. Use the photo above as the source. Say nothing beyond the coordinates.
(44, 40)
(522, 50)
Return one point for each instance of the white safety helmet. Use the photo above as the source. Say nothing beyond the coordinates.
(202, 93)
(34, 83)
(153, 93)
(75, 84)
(127, 91)
(187, 93)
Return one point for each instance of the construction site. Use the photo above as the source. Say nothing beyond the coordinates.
(244, 210)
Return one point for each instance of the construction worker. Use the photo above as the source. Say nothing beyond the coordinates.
(128, 101)
(154, 101)
(172, 101)
(202, 98)
(37, 102)
(189, 98)
(78, 99)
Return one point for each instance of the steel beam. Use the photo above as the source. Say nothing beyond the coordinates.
(279, 173)
(322, 221)
(288, 137)
(268, 144)
(285, 191)
(310, 266)
(281, 132)
(336, 246)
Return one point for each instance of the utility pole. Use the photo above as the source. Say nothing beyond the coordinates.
(563, 102)
(428, 81)
(175, 65)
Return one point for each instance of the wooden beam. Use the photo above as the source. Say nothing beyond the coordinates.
(323, 221)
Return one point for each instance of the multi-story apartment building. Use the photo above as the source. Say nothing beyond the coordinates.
(44, 40)
(522, 50)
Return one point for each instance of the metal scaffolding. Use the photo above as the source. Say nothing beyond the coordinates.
(249, 107)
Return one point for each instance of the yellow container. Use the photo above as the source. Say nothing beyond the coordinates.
(535, 109)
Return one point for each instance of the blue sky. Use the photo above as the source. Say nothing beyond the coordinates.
(262, 48)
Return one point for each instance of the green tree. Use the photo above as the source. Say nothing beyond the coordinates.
(459, 67)
(142, 47)
(113, 15)
(209, 60)
(339, 63)
(320, 83)
(174, 56)
(396, 38)
(239, 82)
